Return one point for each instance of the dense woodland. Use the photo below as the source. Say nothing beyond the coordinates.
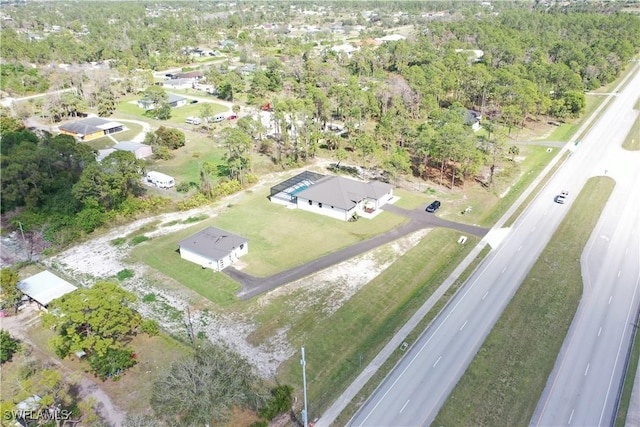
(403, 105)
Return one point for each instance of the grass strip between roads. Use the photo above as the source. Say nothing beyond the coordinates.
(629, 378)
(505, 380)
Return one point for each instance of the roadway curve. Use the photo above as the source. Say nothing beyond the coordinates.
(414, 391)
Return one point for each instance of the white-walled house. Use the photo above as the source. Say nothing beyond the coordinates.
(213, 248)
(341, 198)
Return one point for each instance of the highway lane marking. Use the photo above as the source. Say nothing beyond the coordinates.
(571, 416)
(586, 371)
(533, 229)
(545, 212)
(619, 271)
(405, 405)
(485, 295)
(599, 330)
(610, 299)
(626, 251)
(434, 365)
(519, 248)
(503, 270)
(463, 325)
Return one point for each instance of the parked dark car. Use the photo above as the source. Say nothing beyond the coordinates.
(433, 206)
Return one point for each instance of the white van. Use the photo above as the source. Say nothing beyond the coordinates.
(160, 180)
(193, 120)
(219, 118)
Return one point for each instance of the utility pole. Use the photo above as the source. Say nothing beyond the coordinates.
(304, 386)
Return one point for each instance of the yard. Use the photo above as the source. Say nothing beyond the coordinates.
(279, 238)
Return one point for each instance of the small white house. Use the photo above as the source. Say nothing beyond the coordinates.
(160, 180)
(213, 248)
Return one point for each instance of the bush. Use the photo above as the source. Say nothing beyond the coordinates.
(183, 187)
(226, 188)
(150, 327)
(280, 402)
(89, 219)
(251, 178)
(112, 363)
(125, 274)
(8, 346)
(194, 201)
(149, 298)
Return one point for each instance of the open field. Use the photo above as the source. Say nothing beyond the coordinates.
(504, 382)
(279, 238)
(339, 344)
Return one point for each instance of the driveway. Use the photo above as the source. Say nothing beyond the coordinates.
(418, 219)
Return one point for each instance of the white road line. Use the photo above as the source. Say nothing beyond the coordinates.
(571, 416)
(545, 212)
(519, 248)
(586, 371)
(503, 270)
(533, 229)
(463, 325)
(485, 295)
(405, 405)
(619, 271)
(434, 365)
(610, 299)
(626, 251)
(599, 330)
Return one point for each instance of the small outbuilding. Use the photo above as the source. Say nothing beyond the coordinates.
(213, 248)
(44, 287)
(140, 151)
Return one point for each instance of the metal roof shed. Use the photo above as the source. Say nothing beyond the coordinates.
(44, 287)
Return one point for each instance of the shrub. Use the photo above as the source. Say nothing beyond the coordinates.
(194, 201)
(226, 188)
(183, 187)
(8, 346)
(125, 274)
(149, 298)
(251, 178)
(112, 363)
(150, 327)
(280, 402)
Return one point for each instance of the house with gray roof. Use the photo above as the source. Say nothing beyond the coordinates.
(90, 128)
(213, 248)
(335, 196)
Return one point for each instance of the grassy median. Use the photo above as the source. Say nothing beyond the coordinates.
(504, 382)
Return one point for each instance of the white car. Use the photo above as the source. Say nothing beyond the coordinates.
(561, 198)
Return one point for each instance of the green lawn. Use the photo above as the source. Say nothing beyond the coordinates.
(162, 254)
(279, 238)
(504, 382)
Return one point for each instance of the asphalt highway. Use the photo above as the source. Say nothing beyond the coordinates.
(414, 391)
